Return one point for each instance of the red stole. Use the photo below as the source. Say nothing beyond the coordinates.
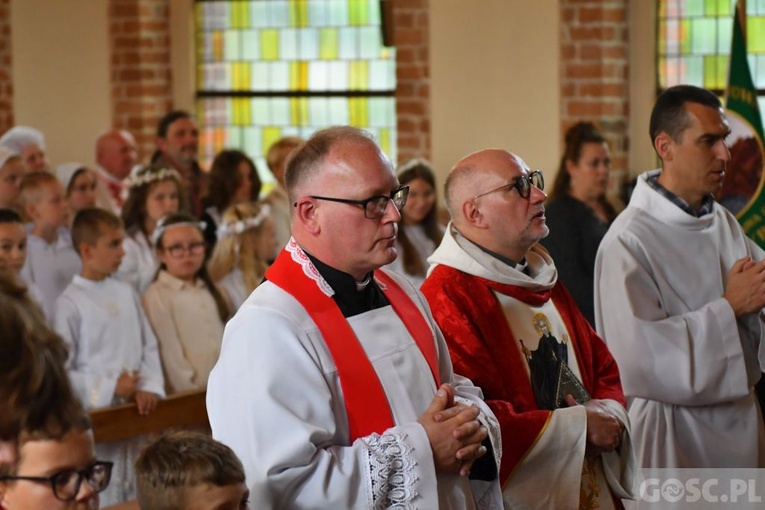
(365, 400)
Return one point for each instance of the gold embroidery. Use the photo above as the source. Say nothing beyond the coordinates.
(589, 490)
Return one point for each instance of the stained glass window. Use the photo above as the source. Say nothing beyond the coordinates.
(694, 38)
(273, 68)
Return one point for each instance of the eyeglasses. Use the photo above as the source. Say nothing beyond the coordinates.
(66, 484)
(179, 250)
(374, 207)
(522, 184)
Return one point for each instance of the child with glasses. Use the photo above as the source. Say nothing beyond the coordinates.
(185, 309)
(190, 470)
(56, 467)
(113, 356)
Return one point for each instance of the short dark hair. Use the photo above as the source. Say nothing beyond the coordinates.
(177, 461)
(88, 225)
(9, 216)
(669, 114)
(169, 118)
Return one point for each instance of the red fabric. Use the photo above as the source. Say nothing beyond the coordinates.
(483, 349)
(115, 190)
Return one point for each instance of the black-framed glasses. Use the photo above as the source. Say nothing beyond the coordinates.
(374, 207)
(179, 250)
(522, 184)
(66, 484)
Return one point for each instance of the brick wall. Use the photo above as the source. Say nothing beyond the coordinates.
(411, 22)
(594, 72)
(140, 73)
(6, 84)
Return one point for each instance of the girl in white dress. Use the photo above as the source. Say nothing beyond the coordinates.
(246, 244)
(155, 192)
(419, 232)
(185, 309)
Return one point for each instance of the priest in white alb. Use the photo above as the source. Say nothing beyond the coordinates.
(334, 385)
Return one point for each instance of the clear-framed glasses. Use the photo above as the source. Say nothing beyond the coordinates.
(374, 207)
(179, 250)
(66, 484)
(522, 184)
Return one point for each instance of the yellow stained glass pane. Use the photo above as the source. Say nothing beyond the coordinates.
(241, 75)
(384, 139)
(358, 12)
(271, 135)
(241, 111)
(217, 42)
(298, 13)
(269, 44)
(299, 75)
(359, 75)
(240, 14)
(755, 34)
(715, 70)
(685, 36)
(299, 111)
(357, 107)
(328, 41)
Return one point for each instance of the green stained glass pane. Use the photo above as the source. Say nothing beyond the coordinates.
(317, 14)
(694, 7)
(756, 7)
(269, 44)
(724, 34)
(252, 140)
(758, 73)
(349, 43)
(370, 42)
(761, 101)
(280, 76)
(338, 75)
(234, 136)
(358, 12)
(715, 71)
(694, 70)
(259, 14)
(337, 12)
(308, 39)
(379, 75)
(378, 116)
(328, 43)
(317, 111)
(260, 77)
(318, 76)
(232, 48)
(684, 36)
(755, 35)
(374, 12)
(251, 44)
(338, 110)
(280, 13)
(288, 44)
(280, 111)
(259, 111)
(703, 35)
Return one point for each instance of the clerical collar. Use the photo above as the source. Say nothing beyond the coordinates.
(521, 266)
(352, 297)
(707, 203)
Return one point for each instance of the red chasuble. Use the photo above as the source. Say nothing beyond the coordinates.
(483, 349)
(365, 399)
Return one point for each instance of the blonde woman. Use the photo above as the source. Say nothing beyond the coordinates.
(246, 244)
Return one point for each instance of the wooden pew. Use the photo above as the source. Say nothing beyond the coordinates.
(184, 410)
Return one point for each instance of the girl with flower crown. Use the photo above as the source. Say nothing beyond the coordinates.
(185, 309)
(154, 193)
(246, 244)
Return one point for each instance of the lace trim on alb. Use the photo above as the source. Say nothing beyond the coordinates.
(491, 425)
(391, 470)
(299, 256)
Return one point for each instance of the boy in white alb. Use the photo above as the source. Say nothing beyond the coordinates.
(113, 356)
(51, 259)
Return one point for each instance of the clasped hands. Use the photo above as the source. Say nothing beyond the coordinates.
(604, 430)
(454, 432)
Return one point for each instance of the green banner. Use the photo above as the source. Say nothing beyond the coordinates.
(742, 190)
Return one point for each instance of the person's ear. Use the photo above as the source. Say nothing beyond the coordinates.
(569, 166)
(85, 250)
(307, 215)
(664, 145)
(471, 213)
(30, 210)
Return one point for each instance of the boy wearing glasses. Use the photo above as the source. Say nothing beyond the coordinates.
(56, 468)
(113, 356)
(513, 328)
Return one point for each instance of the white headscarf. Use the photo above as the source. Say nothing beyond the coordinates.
(19, 137)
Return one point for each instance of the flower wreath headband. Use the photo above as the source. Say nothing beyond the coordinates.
(161, 228)
(152, 176)
(231, 228)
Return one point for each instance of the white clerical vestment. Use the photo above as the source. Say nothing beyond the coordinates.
(688, 366)
(275, 398)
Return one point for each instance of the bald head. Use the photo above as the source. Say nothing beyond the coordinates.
(488, 210)
(116, 153)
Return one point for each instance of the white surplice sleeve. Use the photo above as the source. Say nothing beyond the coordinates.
(151, 379)
(93, 387)
(630, 313)
(269, 400)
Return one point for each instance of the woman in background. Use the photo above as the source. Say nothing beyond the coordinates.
(578, 213)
